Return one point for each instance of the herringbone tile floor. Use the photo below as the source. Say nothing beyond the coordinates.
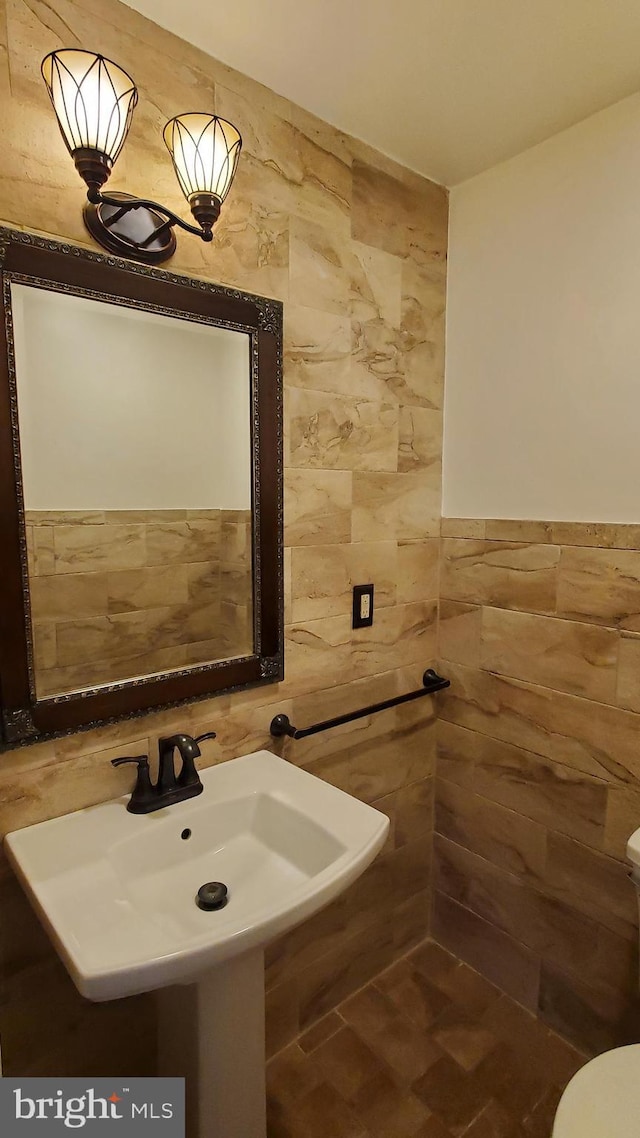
(429, 1049)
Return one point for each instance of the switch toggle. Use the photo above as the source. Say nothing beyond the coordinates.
(362, 606)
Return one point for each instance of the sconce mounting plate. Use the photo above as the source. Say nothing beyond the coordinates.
(130, 229)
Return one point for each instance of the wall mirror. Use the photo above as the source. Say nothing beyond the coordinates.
(141, 451)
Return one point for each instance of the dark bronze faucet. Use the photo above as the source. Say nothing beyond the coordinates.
(169, 787)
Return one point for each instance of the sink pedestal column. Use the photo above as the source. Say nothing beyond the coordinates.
(212, 1033)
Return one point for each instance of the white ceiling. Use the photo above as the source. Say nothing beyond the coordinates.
(447, 87)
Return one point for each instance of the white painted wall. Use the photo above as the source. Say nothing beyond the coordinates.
(542, 394)
(126, 410)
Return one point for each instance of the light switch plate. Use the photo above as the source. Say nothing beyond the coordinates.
(362, 606)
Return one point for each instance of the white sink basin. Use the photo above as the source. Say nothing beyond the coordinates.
(117, 891)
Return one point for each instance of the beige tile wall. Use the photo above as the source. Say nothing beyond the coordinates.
(118, 594)
(355, 246)
(539, 765)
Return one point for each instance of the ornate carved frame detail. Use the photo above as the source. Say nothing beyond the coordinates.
(49, 264)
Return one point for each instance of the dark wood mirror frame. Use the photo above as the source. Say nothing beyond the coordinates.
(47, 264)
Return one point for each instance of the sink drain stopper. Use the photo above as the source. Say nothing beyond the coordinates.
(212, 895)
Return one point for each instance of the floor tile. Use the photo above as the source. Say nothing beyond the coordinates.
(412, 993)
(407, 1050)
(502, 1076)
(347, 1063)
(322, 1112)
(539, 1124)
(427, 1049)
(433, 1128)
(323, 1029)
(390, 1110)
(434, 962)
(495, 1122)
(463, 1038)
(291, 1075)
(450, 1094)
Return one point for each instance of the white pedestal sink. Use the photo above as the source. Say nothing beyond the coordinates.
(117, 894)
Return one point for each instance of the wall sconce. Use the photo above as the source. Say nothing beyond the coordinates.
(94, 100)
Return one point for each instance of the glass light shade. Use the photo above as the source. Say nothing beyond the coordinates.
(93, 99)
(205, 152)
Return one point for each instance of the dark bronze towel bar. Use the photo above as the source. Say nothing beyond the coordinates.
(280, 724)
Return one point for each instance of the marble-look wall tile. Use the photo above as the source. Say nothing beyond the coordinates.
(110, 638)
(420, 438)
(338, 432)
(596, 738)
(322, 133)
(320, 580)
(587, 1018)
(358, 908)
(318, 350)
(552, 746)
(500, 707)
(423, 316)
(377, 363)
(328, 704)
(181, 542)
(94, 627)
(270, 137)
(252, 238)
(5, 88)
(43, 552)
(317, 506)
(623, 819)
(342, 971)
(133, 589)
(324, 192)
(569, 656)
(401, 635)
(464, 527)
(377, 213)
(44, 647)
(319, 654)
(459, 628)
(567, 938)
(502, 574)
(500, 835)
(546, 792)
(404, 506)
(86, 549)
(506, 529)
(413, 812)
(376, 563)
(376, 285)
(604, 535)
(204, 583)
(389, 215)
(72, 518)
(318, 267)
(600, 585)
(592, 882)
(628, 689)
(417, 570)
(62, 597)
(502, 959)
(372, 771)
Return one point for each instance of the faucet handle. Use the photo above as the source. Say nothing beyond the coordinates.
(188, 775)
(143, 793)
(141, 760)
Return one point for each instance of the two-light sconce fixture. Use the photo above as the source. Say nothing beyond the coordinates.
(94, 100)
